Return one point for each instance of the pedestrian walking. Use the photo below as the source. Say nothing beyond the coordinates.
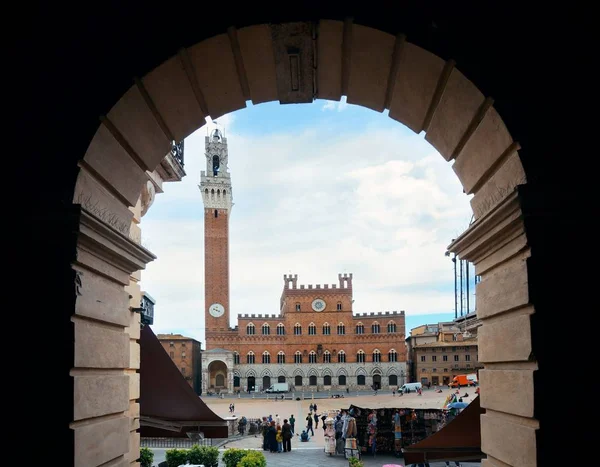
(293, 424)
(309, 424)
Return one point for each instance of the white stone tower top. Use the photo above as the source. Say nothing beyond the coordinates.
(215, 182)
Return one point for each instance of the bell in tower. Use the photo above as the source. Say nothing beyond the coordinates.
(216, 164)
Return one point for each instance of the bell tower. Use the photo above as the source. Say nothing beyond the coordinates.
(215, 185)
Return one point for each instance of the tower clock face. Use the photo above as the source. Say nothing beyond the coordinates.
(318, 305)
(217, 310)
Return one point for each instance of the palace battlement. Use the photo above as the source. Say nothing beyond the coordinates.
(345, 282)
(381, 313)
(252, 315)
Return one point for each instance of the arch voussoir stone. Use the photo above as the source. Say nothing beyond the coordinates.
(173, 95)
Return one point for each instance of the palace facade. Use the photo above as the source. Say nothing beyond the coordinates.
(314, 343)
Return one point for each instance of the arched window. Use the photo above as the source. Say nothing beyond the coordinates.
(280, 329)
(327, 380)
(297, 329)
(250, 330)
(297, 357)
(393, 380)
(281, 357)
(391, 327)
(216, 163)
(236, 358)
(266, 357)
(327, 357)
(312, 380)
(312, 329)
(266, 329)
(360, 380)
(298, 308)
(298, 381)
(341, 356)
(375, 328)
(392, 355)
(338, 307)
(341, 329)
(360, 356)
(281, 379)
(376, 356)
(360, 328)
(250, 357)
(326, 329)
(236, 381)
(312, 357)
(342, 380)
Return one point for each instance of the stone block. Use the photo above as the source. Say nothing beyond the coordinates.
(416, 81)
(217, 75)
(134, 385)
(510, 442)
(459, 104)
(503, 288)
(97, 200)
(115, 166)
(97, 395)
(512, 245)
(174, 98)
(142, 133)
(102, 441)
(294, 62)
(501, 184)
(101, 299)
(489, 141)
(370, 63)
(98, 346)
(508, 391)
(256, 47)
(329, 57)
(134, 361)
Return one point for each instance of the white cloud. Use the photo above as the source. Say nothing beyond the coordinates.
(335, 105)
(377, 203)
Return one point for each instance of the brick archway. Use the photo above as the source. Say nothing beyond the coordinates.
(373, 69)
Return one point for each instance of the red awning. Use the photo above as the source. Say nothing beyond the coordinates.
(459, 440)
(168, 404)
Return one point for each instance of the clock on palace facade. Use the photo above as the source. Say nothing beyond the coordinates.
(318, 304)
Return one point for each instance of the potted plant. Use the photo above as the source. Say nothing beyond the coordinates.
(355, 462)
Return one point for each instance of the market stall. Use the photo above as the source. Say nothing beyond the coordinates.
(385, 430)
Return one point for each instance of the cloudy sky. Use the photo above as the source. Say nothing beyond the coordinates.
(318, 189)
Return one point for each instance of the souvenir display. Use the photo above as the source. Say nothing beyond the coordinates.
(388, 430)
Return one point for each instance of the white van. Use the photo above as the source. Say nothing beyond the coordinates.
(410, 386)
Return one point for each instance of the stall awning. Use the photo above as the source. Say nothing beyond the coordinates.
(168, 404)
(459, 440)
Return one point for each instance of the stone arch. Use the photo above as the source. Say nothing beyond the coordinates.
(376, 371)
(250, 373)
(341, 371)
(298, 372)
(326, 371)
(391, 371)
(418, 88)
(282, 372)
(360, 371)
(312, 372)
(266, 372)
